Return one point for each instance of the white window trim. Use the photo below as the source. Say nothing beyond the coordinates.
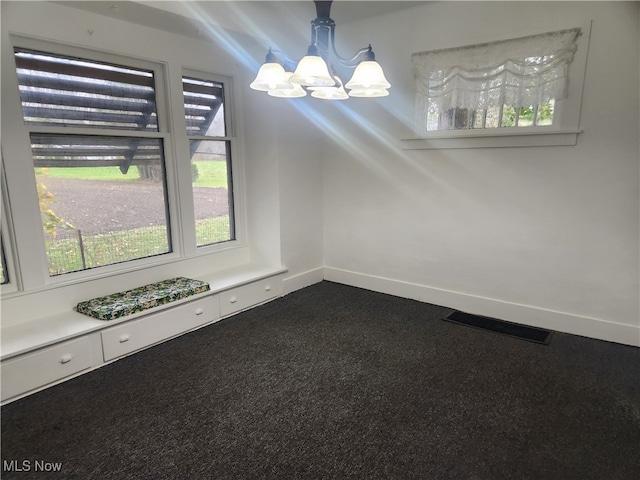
(230, 114)
(29, 260)
(34, 276)
(13, 273)
(564, 131)
(519, 137)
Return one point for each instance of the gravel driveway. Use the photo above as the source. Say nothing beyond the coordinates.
(96, 206)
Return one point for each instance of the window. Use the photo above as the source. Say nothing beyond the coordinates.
(210, 154)
(4, 275)
(7, 272)
(98, 158)
(495, 85)
(497, 116)
(508, 87)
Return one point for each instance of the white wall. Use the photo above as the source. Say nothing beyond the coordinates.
(282, 205)
(546, 236)
(288, 135)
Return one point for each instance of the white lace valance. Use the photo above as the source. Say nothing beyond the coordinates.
(524, 71)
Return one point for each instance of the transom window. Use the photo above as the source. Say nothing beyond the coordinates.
(512, 83)
(498, 116)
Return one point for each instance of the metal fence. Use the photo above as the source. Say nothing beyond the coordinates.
(75, 250)
(72, 250)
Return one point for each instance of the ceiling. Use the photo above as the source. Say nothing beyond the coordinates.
(191, 17)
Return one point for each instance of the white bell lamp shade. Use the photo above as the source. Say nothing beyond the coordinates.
(291, 90)
(312, 71)
(330, 93)
(271, 76)
(295, 92)
(368, 92)
(368, 75)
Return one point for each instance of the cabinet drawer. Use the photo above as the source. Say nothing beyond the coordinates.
(45, 366)
(156, 327)
(243, 297)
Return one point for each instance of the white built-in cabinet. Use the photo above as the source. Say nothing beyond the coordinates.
(29, 366)
(44, 366)
(132, 336)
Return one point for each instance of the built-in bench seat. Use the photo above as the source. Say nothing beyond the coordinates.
(44, 351)
(143, 298)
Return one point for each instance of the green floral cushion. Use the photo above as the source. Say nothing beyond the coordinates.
(139, 299)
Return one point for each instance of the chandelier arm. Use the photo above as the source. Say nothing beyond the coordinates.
(288, 64)
(346, 62)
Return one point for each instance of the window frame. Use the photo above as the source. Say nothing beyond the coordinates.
(232, 140)
(452, 115)
(163, 134)
(33, 265)
(13, 283)
(563, 132)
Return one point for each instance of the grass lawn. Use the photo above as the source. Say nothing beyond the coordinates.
(212, 174)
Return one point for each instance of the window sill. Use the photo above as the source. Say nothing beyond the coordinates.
(505, 139)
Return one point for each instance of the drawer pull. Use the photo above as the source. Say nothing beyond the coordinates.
(267, 288)
(66, 358)
(233, 299)
(124, 338)
(199, 311)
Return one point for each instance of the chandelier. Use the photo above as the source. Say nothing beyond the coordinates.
(315, 72)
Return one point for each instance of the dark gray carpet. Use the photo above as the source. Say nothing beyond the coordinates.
(337, 382)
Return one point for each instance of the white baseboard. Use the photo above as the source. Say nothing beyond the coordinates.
(302, 280)
(524, 314)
